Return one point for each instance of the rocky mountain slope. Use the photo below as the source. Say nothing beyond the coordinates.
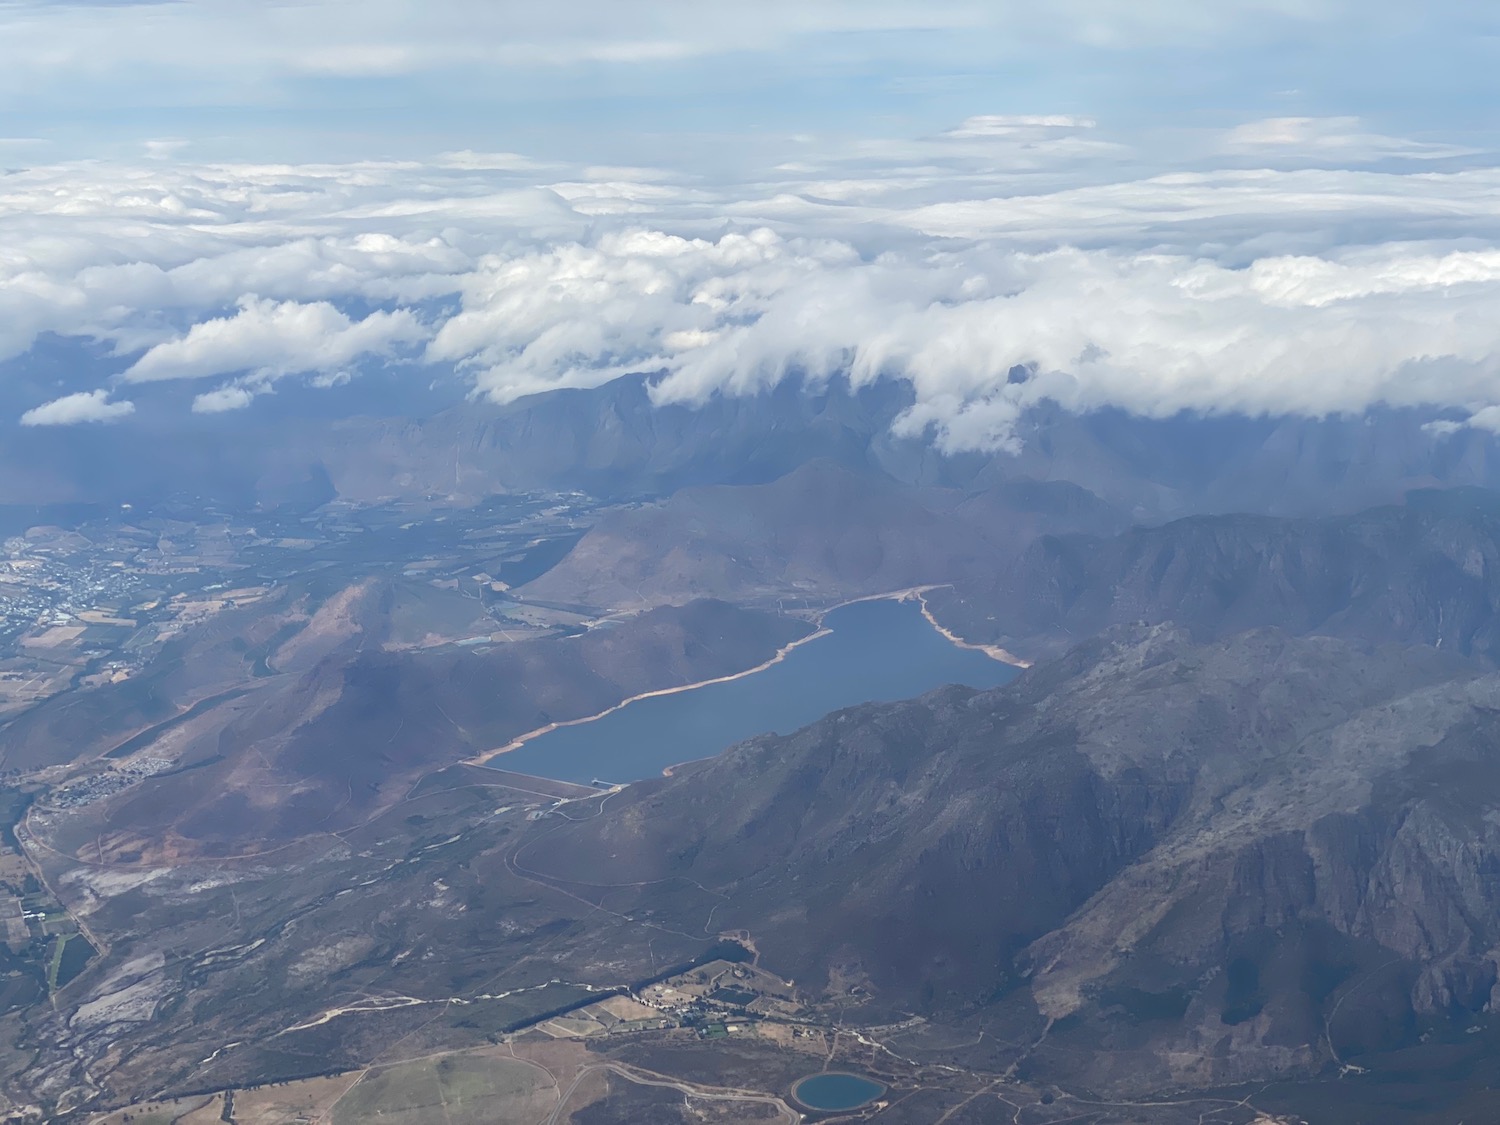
(1146, 866)
(1151, 866)
(330, 748)
(1425, 572)
(822, 532)
(614, 441)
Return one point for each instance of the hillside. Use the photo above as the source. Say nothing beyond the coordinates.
(1423, 572)
(1173, 865)
(333, 747)
(821, 532)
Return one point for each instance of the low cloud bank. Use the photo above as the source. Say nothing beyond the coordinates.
(950, 263)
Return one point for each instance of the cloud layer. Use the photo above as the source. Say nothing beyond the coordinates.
(240, 41)
(1354, 269)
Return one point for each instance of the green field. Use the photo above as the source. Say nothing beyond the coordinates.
(472, 1089)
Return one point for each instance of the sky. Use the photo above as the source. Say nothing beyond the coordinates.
(1252, 206)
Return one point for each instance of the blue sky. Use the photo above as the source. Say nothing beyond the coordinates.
(608, 79)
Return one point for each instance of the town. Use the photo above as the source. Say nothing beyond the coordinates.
(95, 602)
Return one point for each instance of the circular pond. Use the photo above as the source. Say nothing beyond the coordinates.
(836, 1091)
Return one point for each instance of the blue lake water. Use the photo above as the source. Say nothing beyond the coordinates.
(877, 650)
(836, 1091)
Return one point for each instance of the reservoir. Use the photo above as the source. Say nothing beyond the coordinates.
(836, 1091)
(875, 650)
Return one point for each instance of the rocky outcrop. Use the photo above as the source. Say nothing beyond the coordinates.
(1423, 572)
(1195, 864)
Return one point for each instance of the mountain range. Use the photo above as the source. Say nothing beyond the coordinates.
(1230, 839)
(614, 441)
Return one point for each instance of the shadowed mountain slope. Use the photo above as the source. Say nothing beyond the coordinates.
(329, 749)
(1425, 572)
(1172, 864)
(613, 441)
(822, 531)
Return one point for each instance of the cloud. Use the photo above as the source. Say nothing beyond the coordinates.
(1151, 333)
(241, 41)
(86, 406)
(299, 76)
(488, 161)
(1333, 139)
(223, 400)
(941, 262)
(272, 339)
(163, 148)
(358, 60)
(1010, 125)
(628, 174)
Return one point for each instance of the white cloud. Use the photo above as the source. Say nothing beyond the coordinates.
(488, 161)
(86, 406)
(273, 339)
(1153, 333)
(1303, 289)
(1486, 418)
(1248, 212)
(223, 400)
(358, 60)
(628, 174)
(163, 148)
(1337, 140)
(1010, 125)
(244, 47)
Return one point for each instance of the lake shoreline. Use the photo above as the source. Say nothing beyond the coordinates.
(994, 652)
(820, 630)
(531, 735)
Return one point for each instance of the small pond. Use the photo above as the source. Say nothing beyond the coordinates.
(836, 1091)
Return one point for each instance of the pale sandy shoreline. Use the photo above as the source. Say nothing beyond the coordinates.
(521, 740)
(994, 652)
(913, 593)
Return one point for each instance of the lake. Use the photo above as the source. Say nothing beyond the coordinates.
(876, 651)
(836, 1091)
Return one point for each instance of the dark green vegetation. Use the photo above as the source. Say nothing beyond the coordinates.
(70, 954)
(13, 806)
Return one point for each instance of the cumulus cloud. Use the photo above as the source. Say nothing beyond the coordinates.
(1295, 289)
(271, 339)
(223, 400)
(1152, 333)
(86, 406)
